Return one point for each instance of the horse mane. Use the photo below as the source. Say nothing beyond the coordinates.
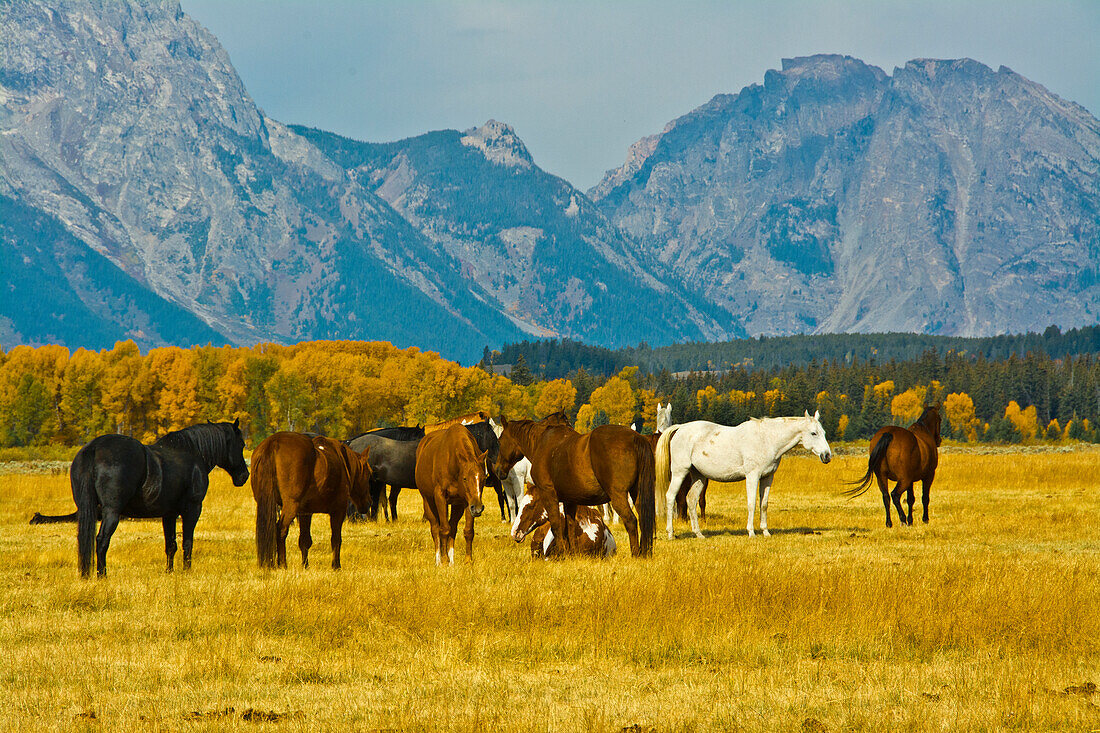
(207, 441)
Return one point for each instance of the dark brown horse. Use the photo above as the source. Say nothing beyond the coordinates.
(611, 464)
(450, 474)
(305, 476)
(906, 456)
(588, 533)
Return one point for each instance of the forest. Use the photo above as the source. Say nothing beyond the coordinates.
(50, 395)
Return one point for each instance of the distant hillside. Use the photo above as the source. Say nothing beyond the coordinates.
(556, 358)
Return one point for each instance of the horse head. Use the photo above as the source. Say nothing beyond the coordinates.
(664, 417)
(813, 437)
(529, 515)
(473, 482)
(931, 420)
(360, 474)
(234, 463)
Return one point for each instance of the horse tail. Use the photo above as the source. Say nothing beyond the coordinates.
(39, 518)
(82, 479)
(662, 454)
(645, 486)
(264, 486)
(878, 452)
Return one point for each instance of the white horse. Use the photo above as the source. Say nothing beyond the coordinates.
(750, 451)
(516, 480)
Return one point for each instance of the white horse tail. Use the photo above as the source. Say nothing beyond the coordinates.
(663, 469)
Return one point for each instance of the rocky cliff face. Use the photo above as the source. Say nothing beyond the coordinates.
(542, 251)
(126, 123)
(947, 198)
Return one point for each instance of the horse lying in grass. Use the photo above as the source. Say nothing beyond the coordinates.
(905, 456)
(116, 476)
(587, 532)
(450, 474)
(304, 476)
(610, 464)
(705, 451)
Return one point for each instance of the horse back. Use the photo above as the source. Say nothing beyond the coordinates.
(443, 455)
(906, 457)
(284, 463)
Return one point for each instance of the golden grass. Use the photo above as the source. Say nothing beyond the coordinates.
(977, 621)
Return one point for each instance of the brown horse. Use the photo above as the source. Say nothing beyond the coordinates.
(450, 474)
(305, 476)
(588, 533)
(905, 456)
(468, 419)
(611, 464)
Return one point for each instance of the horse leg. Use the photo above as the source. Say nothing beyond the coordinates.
(433, 525)
(468, 533)
(376, 489)
(621, 504)
(752, 484)
(103, 539)
(445, 553)
(169, 524)
(455, 516)
(191, 514)
(911, 500)
(884, 487)
(336, 523)
(394, 491)
(899, 489)
(692, 500)
(290, 510)
(926, 494)
(765, 490)
(305, 537)
(670, 500)
(557, 519)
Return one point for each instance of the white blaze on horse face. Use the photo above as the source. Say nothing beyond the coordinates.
(523, 502)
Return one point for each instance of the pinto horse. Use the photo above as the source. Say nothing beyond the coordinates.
(610, 464)
(116, 476)
(450, 474)
(304, 476)
(588, 532)
(904, 456)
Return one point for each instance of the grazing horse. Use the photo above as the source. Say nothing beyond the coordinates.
(486, 438)
(589, 534)
(610, 464)
(393, 464)
(469, 419)
(515, 480)
(905, 456)
(450, 473)
(751, 451)
(304, 476)
(116, 476)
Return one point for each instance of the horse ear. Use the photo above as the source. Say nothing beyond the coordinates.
(237, 423)
(807, 412)
(817, 414)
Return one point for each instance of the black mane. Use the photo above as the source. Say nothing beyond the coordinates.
(209, 442)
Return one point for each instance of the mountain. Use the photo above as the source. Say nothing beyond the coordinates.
(127, 138)
(541, 250)
(945, 198)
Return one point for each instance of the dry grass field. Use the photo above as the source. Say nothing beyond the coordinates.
(979, 621)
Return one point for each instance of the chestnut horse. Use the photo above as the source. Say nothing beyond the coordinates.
(587, 530)
(450, 474)
(905, 456)
(469, 419)
(305, 476)
(610, 464)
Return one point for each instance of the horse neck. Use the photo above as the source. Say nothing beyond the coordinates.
(785, 432)
(198, 440)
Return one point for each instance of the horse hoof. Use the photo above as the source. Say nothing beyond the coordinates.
(766, 533)
(671, 536)
(700, 535)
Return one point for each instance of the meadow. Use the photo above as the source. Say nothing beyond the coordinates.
(986, 619)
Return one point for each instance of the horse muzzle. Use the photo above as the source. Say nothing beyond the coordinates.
(826, 457)
(476, 511)
(241, 478)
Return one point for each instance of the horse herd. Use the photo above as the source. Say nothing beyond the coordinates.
(549, 479)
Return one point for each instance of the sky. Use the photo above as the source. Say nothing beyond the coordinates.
(582, 80)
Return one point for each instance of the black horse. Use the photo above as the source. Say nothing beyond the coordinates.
(116, 476)
(392, 463)
(398, 433)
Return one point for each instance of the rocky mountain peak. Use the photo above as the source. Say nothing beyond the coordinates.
(499, 143)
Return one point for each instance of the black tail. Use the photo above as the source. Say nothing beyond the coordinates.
(82, 479)
(264, 487)
(52, 518)
(873, 461)
(645, 503)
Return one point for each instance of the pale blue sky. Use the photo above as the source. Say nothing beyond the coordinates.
(581, 81)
